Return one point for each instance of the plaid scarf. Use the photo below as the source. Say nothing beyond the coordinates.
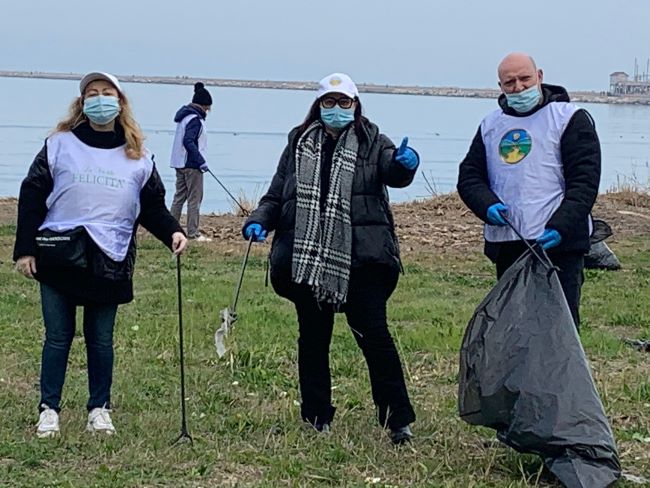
(323, 242)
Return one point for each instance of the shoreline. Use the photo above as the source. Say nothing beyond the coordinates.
(440, 223)
(439, 91)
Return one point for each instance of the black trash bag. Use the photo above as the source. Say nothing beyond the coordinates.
(524, 373)
(602, 231)
(600, 256)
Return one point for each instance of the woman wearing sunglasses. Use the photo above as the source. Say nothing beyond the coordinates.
(335, 247)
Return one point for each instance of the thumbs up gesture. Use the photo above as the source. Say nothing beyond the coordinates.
(406, 156)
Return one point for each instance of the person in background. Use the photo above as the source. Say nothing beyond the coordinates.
(335, 247)
(536, 161)
(89, 187)
(188, 158)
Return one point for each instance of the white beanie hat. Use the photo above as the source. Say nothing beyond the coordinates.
(337, 83)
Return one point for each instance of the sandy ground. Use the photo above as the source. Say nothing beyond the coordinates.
(441, 223)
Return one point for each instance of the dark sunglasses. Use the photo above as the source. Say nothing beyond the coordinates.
(330, 102)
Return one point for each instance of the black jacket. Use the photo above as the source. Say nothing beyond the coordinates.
(191, 136)
(105, 280)
(373, 233)
(580, 152)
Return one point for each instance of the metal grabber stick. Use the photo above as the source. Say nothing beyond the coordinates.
(546, 262)
(184, 436)
(244, 211)
(229, 314)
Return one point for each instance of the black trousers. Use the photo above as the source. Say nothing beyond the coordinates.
(365, 310)
(570, 271)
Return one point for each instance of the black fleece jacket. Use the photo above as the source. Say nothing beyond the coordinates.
(105, 280)
(581, 159)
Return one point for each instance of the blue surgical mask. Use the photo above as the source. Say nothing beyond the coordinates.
(337, 117)
(524, 101)
(101, 109)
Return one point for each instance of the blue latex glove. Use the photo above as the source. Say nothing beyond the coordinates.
(258, 232)
(550, 238)
(494, 214)
(406, 156)
(204, 168)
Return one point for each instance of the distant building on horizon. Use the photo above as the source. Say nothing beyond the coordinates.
(620, 84)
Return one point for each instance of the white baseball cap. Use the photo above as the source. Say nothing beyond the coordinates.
(337, 83)
(98, 75)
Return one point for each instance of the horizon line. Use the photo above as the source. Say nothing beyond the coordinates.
(589, 96)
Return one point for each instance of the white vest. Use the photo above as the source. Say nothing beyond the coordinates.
(179, 153)
(524, 167)
(98, 189)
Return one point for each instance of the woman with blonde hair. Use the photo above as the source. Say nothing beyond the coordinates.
(85, 194)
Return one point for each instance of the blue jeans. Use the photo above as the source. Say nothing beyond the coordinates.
(59, 312)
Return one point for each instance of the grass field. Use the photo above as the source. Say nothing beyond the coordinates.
(243, 410)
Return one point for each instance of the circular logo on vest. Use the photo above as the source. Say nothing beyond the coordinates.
(515, 146)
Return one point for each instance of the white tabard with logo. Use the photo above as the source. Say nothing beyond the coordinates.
(524, 167)
(98, 189)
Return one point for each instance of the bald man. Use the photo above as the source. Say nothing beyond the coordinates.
(535, 160)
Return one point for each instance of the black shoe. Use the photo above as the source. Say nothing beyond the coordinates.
(401, 435)
(324, 427)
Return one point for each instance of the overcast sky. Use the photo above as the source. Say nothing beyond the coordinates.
(413, 42)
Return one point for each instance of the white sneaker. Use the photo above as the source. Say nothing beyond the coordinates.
(99, 420)
(201, 238)
(48, 423)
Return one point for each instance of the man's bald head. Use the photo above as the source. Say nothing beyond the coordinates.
(517, 72)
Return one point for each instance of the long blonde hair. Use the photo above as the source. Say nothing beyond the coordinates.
(132, 132)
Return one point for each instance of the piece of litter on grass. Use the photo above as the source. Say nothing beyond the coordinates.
(640, 438)
(135, 327)
(639, 345)
(227, 320)
(219, 342)
(632, 478)
(235, 383)
(296, 403)
(372, 480)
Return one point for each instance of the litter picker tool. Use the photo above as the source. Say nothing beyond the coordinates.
(229, 314)
(244, 211)
(185, 436)
(532, 249)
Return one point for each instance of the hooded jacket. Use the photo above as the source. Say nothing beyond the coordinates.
(581, 161)
(193, 130)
